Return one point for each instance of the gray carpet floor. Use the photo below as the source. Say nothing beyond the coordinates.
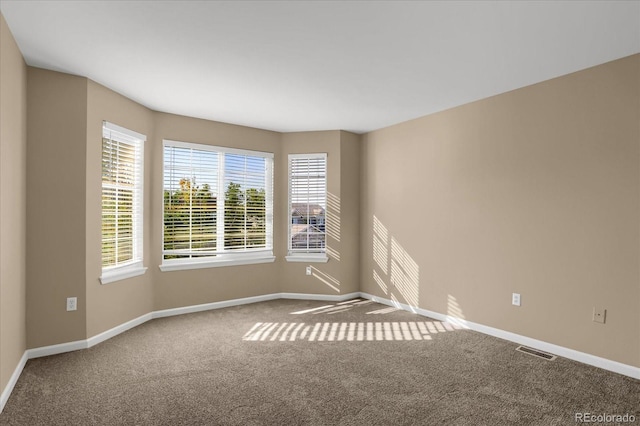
(287, 362)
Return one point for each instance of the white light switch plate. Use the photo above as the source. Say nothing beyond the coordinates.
(515, 299)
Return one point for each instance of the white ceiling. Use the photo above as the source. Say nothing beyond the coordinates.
(298, 66)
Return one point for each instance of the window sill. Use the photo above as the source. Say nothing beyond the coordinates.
(313, 258)
(202, 264)
(122, 273)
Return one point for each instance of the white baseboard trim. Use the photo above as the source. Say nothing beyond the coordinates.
(57, 349)
(585, 358)
(99, 338)
(253, 299)
(4, 396)
(321, 297)
(84, 344)
(214, 305)
(106, 335)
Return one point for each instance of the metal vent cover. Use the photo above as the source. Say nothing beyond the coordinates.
(536, 353)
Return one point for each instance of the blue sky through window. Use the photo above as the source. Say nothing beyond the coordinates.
(201, 167)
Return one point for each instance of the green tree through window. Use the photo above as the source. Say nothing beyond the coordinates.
(244, 216)
(216, 203)
(189, 218)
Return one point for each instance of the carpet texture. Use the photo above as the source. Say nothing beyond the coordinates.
(287, 362)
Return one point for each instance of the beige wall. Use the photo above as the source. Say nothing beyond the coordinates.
(340, 274)
(59, 121)
(183, 288)
(115, 303)
(535, 191)
(349, 210)
(13, 184)
(326, 278)
(56, 182)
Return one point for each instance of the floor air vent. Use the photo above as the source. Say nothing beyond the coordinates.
(536, 353)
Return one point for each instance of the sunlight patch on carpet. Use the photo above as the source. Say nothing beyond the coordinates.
(347, 331)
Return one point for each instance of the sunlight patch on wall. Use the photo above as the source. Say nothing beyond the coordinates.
(395, 272)
(380, 245)
(347, 331)
(331, 282)
(453, 308)
(333, 253)
(397, 302)
(333, 216)
(380, 282)
(405, 273)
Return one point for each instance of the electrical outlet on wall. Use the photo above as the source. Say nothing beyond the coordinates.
(599, 315)
(72, 303)
(308, 270)
(515, 299)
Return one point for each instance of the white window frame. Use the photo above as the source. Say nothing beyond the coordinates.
(134, 266)
(225, 257)
(319, 256)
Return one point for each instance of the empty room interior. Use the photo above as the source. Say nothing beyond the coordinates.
(319, 212)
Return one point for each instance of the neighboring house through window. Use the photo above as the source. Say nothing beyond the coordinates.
(218, 206)
(307, 207)
(122, 201)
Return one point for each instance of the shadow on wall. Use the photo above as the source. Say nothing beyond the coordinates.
(395, 271)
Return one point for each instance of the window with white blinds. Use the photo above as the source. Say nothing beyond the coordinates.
(307, 204)
(122, 201)
(218, 206)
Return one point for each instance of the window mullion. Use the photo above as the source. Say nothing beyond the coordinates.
(268, 217)
(117, 204)
(245, 214)
(190, 188)
(220, 226)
